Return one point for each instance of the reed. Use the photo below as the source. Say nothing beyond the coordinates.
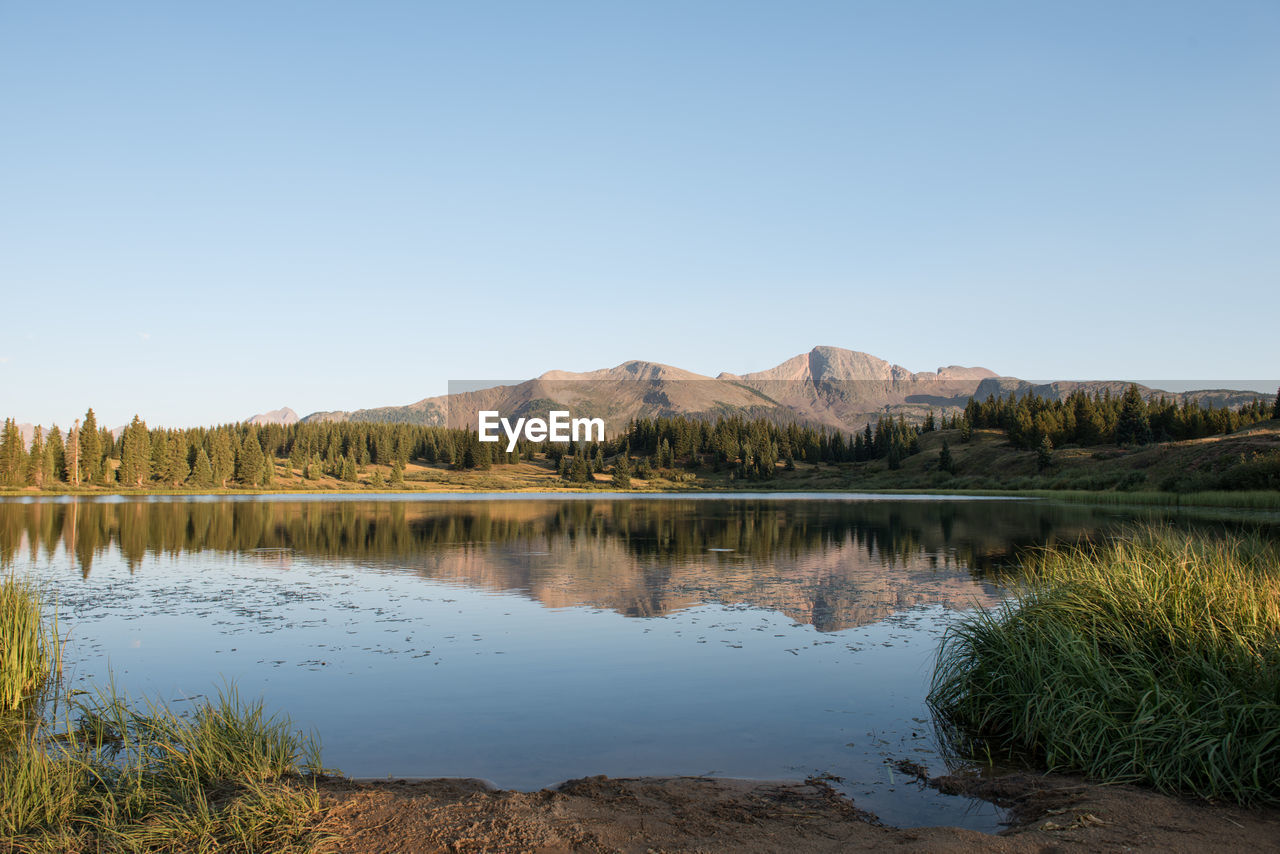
(30, 657)
(1153, 659)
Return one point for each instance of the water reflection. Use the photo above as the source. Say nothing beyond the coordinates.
(820, 563)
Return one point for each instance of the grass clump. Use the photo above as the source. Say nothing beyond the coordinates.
(1153, 659)
(93, 773)
(29, 652)
(227, 778)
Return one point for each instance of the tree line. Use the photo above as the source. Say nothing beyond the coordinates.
(747, 448)
(1105, 419)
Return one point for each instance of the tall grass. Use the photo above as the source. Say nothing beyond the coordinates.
(1152, 659)
(99, 774)
(29, 650)
(228, 778)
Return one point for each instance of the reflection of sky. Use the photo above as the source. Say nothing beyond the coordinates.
(407, 676)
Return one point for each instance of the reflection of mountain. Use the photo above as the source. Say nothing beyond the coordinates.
(836, 586)
(832, 564)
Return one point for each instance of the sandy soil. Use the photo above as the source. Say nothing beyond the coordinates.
(695, 814)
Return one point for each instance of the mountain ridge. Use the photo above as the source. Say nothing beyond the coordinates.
(829, 386)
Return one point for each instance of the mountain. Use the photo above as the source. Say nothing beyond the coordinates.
(830, 386)
(284, 415)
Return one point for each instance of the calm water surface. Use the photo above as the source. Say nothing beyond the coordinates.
(533, 640)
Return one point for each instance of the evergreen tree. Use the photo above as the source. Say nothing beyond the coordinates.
(202, 471)
(250, 461)
(1044, 454)
(1132, 426)
(135, 454)
(73, 454)
(578, 471)
(375, 479)
(349, 470)
(160, 456)
(622, 473)
(222, 457)
(90, 449)
(268, 471)
(176, 469)
(56, 453)
(397, 473)
(945, 462)
(13, 455)
(1275, 410)
(298, 457)
(35, 461)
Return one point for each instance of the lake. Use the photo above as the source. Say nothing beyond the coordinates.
(532, 639)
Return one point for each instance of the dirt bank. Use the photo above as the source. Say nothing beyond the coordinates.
(598, 814)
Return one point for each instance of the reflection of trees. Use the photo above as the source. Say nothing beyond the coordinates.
(820, 561)
(973, 533)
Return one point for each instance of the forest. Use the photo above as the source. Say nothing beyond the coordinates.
(251, 456)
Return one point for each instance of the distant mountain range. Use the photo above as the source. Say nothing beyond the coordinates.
(828, 385)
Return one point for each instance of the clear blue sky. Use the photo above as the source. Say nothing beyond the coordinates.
(209, 210)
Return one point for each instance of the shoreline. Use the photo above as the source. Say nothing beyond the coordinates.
(1265, 501)
(1048, 812)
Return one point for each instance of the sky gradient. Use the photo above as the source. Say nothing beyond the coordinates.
(211, 210)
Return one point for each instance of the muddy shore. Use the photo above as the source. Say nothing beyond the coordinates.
(1049, 813)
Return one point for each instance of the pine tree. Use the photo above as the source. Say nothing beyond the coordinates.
(375, 479)
(297, 457)
(135, 454)
(222, 457)
(202, 471)
(268, 471)
(35, 461)
(1132, 426)
(397, 473)
(1044, 454)
(622, 473)
(945, 462)
(90, 449)
(349, 470)
(176, 469)
(1275, 410)
(13, 454)
(73, 454)
(249, 462)
(578, 471)
(56, 455)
